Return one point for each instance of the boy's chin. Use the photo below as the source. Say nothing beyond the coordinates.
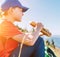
(18, 20)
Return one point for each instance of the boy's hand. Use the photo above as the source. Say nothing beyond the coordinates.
(39, 26)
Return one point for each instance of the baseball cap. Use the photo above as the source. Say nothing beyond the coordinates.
(13, 3)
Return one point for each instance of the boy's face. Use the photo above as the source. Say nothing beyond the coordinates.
(17, 14)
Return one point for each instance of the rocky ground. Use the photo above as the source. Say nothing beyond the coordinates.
(56, 51)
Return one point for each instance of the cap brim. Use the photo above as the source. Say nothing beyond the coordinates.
(24, 9)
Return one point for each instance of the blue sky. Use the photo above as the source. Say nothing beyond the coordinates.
(44, 11)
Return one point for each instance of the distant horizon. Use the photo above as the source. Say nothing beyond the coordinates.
(56, 36)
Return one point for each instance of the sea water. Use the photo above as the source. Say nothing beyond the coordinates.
(56, 39)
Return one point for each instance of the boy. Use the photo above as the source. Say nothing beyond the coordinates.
(11, 36)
